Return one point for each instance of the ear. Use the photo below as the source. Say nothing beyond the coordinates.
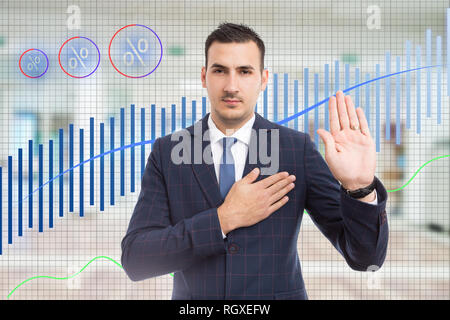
(265, 79)
(203, 77)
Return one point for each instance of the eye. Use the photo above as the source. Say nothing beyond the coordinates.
(246, 71)
(217, 70)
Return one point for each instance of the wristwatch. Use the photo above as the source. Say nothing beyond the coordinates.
(362, 192)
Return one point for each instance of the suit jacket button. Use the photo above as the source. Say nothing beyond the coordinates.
(233, 248)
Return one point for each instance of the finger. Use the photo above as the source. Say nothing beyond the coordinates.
(251, 176)
(334, 118)
(277, 205)
(363, 122)
(280, 184)
(280, 193)
(342, 110)
(267, 182)
(328, 141)
(354, 122)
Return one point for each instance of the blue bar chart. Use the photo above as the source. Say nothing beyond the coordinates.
(368, 90)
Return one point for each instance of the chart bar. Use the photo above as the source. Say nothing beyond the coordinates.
(102, 167)
(326, 86)
(408, 85)
(387, 95)
(265, 101)
(439, 77)
(50, 184)
(377, 108)
(122, 152)
(367, 109)
(448, 51)
(183, 114)
(61, 170)
(30, 183)
(203, 106)
(193, 113)
(142, 140)
(70, 167)
(91, 163)
(275, 97)
(163, 119)
(357, 102)
(336, 75)
(428, 58)
(111, 161)
(153, 122)
(397, 95)
(418, 65)
(10, 195)
(316, 109)
(19, 193)
(81, 173)
(305, 94)
(286, 97)
(133, 140)
(347, 76)
(296, 103)
(41, 189)
(174, 117)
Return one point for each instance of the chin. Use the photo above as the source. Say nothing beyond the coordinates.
(232, 113)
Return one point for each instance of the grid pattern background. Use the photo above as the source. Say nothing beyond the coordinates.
(297, 35)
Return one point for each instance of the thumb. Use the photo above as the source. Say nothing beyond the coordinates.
(252, 175)
(328, 140)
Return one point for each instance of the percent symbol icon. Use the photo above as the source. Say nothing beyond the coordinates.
(73, 62)
(135, 51)
(80, 56)
(142, 47)
(33, 63)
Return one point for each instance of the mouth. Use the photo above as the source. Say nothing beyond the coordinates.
(231, 101)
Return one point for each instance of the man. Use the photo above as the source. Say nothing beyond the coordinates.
(227, 232)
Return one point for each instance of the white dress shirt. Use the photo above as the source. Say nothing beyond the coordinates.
(239, 149)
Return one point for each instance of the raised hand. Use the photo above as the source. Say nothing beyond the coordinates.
(349, 148)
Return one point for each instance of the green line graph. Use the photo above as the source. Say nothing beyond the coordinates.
(64, 278)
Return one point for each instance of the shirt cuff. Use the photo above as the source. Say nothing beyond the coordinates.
(374, 202)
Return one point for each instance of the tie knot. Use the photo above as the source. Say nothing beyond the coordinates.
(228, 142)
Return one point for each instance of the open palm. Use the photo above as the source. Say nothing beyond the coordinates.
(349, 147)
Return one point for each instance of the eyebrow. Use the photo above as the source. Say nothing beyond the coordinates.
(216, 65)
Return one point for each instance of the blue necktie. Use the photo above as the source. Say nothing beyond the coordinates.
(226, 174)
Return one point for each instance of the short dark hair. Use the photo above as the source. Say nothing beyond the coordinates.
(230, 32)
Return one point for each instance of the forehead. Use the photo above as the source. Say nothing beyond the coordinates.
(234, 54)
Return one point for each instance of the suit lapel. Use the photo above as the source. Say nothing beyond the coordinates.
(205, 172)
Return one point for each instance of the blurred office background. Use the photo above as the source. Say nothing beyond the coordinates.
(297, 35)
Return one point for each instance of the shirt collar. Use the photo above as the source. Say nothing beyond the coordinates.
(243, 134)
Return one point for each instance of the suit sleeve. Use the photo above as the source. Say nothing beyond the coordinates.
(154, 246)
(358, 230)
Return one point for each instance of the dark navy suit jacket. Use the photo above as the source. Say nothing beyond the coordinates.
(175, 228)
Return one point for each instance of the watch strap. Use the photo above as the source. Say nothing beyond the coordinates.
(361, 192)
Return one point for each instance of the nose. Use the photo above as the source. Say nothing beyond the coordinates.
(231, 83)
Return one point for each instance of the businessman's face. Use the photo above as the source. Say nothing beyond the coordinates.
(234, 81)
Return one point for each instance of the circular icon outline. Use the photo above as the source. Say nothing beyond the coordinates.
(59, 57)
(20, 61)
(109, 51)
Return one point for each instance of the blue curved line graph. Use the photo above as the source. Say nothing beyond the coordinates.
(350, 89)
(278, 122)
